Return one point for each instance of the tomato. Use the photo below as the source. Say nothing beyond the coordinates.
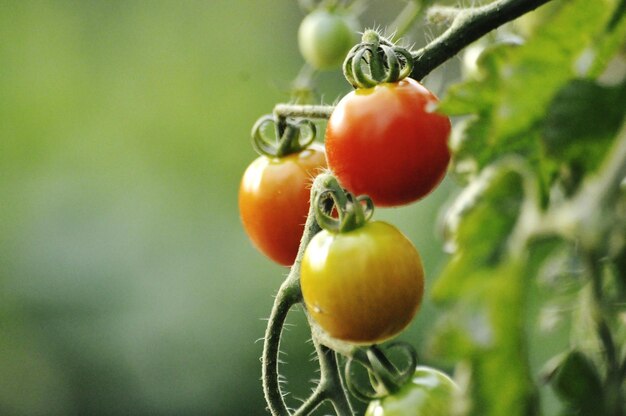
(274, 201)
(325, 37)
(364, 285)
(429, 393)
(385, 142)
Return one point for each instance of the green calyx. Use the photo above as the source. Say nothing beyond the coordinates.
(384, 376)
(289, 135)
(375, 60)
(352, 212)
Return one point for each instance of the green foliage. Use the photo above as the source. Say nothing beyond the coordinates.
(578, 383)
(485, 286)
(509, 102)
(580, 124)
(540, 121)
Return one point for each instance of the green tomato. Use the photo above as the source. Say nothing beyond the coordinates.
(429, 393)
(325, 37)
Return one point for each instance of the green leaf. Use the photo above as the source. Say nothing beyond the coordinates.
(544, 64)
(519, 82)
(485, 330)
(530, 102)
(581, 122)
(486, 288)
(478, 226)
(618, 16)
(577, 382)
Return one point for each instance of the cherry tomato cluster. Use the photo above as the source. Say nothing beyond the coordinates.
(362, 281)
(385, 142)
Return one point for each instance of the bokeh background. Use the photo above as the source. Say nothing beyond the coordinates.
(127, 285)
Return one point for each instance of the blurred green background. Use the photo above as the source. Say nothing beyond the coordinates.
(127, 285)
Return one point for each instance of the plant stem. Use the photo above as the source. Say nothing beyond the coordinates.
(318, 396)
(304, 111)
(467, 26)
(592, 263)
(329, 365)
(330, 386)
(289, 294)
(613, 382)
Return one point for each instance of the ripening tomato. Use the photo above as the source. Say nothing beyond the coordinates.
(274, 201)
(429, 393)
(364, 285)
(325, 38)
(385, 142)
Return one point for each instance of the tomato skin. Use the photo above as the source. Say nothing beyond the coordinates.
(274, 201)
(325, 38)
(385, 143)
(429, 393)
(362, 286)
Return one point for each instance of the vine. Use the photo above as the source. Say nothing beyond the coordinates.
(377, 60)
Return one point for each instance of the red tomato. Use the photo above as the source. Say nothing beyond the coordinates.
(274, 201)
(385, 142)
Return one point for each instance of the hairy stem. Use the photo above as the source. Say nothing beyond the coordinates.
(317, 398)
(329, 365)
(467, 26)
(289, 294)
(303, 111)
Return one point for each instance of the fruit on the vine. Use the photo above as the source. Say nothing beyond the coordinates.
(388, 143)
(364, 285)
(274, 201)
(325, 37)
(429, 393)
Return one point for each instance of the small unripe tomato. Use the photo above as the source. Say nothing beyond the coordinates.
(364, 285)
(388, 143)
(429, 393)
(325, 37)
(274, 201)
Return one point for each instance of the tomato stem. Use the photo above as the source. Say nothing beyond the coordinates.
(290, 136)
(288, 295)
(376, 60)
(330, 386)
(353, 212)
(303, 111)
(467, 26)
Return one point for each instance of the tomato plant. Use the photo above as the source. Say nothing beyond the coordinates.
(428, 393)
(325, 37)
(274, 200)
(536, 237)
(363, 285)
(386, 142)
